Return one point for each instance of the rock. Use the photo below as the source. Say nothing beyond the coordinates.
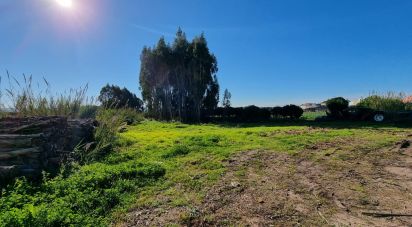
(122, 129)
(235, 184)
(90, 146)
(404, 144)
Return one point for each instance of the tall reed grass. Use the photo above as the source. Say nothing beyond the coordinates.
(390, 101)
(24, 97)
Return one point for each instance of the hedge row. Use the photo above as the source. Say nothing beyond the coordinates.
(254, 113)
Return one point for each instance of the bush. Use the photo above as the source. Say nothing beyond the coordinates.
(110, 121)
(277, 112)
(384, 103)
(292, 111)
(336, 106)
(112, 96)
(408, 106)
(253, 113)
(177, 150)
(88, 111)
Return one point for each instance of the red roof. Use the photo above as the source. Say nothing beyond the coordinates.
(408, 99)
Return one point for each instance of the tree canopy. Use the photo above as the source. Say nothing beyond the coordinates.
(113, 96)
(178, 80)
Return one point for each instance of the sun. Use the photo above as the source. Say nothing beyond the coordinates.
(65, 3)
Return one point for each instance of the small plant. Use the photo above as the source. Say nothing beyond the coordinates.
(177, 150)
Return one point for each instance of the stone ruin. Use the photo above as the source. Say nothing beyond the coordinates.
(31, 145)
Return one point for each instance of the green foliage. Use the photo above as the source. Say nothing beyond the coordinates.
(313, 115)
(177, 150)
(336, 106)
(277, 112)
(408, 106)
(106, 133)
(178, 81)
(389, 102)
(226, 99)
(85, 198)
(188, 159)
(112, 96)
(88, 111)
(27, 100)
(292, 111)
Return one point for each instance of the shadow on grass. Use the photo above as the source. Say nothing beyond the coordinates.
(329, 124)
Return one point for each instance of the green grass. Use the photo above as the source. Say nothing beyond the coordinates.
(169, 160)
(313, 115)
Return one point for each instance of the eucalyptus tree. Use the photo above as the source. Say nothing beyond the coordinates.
(226, 99)
(179, 81)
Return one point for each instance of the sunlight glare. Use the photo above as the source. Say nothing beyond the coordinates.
(65, 3)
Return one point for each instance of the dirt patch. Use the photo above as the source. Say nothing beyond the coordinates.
(263, 188)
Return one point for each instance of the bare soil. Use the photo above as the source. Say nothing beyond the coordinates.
(264, 188)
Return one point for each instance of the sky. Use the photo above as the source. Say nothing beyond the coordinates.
(269, 52)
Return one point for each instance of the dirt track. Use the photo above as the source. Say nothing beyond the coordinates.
(263, 188)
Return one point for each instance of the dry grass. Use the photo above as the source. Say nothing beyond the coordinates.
(25, 97)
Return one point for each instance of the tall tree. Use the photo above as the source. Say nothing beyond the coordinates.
(179, 81)
(226, 99)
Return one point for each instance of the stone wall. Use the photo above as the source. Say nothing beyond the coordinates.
(30, 145)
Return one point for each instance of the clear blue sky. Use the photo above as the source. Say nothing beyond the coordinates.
(269, 52)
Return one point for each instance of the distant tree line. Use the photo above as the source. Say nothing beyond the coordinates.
(178, 81)
(255, 114)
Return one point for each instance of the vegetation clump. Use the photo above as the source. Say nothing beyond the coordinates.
(23, 98)
(292, 111)
(389, 102)
(85, 198)
(112, 96)
(336, 106)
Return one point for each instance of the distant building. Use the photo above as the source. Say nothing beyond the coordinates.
(407, 99)
(354, 102)
(313, 107)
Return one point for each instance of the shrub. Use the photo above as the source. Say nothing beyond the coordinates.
(292, 111)
(177, 150)
(336, 106)
(408, 106)
(110, 121)
(387, 102)
(88, 111)
(277, 112)
(112, 96)
(254, 113)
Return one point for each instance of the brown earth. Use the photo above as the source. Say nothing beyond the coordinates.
(263, 188)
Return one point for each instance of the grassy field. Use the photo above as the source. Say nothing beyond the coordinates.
(165, 173)
(313, 115)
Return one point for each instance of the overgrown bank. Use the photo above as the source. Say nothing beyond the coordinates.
(88, 188)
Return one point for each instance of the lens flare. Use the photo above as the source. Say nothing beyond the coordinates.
(65, 3)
